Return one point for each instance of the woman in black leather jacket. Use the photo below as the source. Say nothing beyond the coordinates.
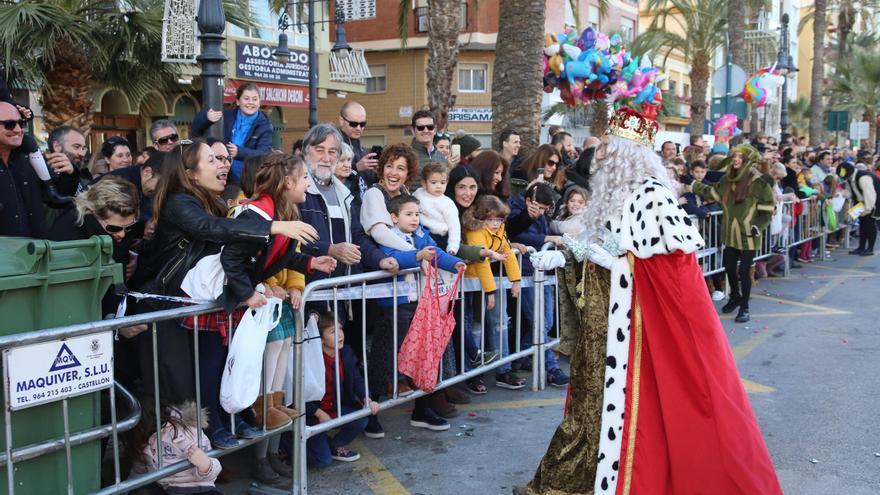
(191, 224)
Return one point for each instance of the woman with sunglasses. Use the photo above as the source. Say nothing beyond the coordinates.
(246, 130)
(109, 207)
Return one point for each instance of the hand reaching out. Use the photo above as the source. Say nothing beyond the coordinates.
(324, 264)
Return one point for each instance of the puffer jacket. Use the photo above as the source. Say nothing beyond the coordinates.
(477, 234)
(175, 443)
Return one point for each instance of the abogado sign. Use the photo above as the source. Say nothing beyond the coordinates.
(255, 61)
(51, 371)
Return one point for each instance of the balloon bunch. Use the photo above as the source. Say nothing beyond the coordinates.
(760, 87)
(725, 128)
(593, 66)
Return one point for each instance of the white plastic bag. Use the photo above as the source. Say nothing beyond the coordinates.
(206, 279)
(313, 361)
(240, 384)
(776, 223)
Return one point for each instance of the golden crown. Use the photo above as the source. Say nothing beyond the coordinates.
(629, 124)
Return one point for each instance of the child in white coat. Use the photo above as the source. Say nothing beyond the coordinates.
(438, 212)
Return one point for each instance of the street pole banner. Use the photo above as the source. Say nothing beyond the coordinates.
(51, 371)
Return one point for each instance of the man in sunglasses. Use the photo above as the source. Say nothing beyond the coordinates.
(352, 122)
(22, 212)
(423, 130)
(164, 135)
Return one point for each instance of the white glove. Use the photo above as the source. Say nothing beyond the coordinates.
(600, 256)
(547, 260)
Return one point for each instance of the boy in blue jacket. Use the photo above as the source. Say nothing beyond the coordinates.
(404, 210)
(537, 199)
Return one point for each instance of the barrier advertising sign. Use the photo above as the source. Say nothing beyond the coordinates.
(51, 371)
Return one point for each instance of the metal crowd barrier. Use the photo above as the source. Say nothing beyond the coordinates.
(334, 291)
(807, 226)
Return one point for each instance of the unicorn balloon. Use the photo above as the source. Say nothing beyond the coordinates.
(760, 87)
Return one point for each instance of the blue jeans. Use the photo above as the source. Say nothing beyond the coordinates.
(528, 314)
(319, 448)
(496, 326)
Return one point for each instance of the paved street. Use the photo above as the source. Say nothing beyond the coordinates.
(808, 359)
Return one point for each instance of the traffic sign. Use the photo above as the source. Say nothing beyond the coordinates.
(719, 81)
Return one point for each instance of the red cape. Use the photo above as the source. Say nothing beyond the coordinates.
(689, 427)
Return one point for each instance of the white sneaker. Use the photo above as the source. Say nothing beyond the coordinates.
(717, 295)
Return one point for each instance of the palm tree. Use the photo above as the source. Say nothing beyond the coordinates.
(444, 21)
(855, 87)
(517, 75)
(67, 47)
(736, 36)
(799, 113)
(817, 74)
(702, 31)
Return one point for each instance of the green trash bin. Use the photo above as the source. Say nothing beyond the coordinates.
(42, 285)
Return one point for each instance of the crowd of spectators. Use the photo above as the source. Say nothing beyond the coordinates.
(332, 208)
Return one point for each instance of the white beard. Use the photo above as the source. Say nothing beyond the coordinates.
(626, 166)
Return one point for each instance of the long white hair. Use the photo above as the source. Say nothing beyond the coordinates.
(627, 164)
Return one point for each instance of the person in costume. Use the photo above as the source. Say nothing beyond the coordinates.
(747, 202)
(656, 405)
(866, 188)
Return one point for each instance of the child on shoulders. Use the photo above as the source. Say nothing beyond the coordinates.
(438, 212)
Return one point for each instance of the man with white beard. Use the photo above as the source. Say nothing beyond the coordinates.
(656, 405)
(333, 210)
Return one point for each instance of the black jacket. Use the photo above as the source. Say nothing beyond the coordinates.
(353, 391)
(244, 261)
(183, 217)
(22, 212)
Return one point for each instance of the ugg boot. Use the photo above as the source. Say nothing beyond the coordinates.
(279, 404)
(274, 418)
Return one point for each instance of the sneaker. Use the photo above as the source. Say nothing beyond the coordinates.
(222, 439)
(717, 295)
(731, 305)
(246, 431)
(509, 381)
(743, 315)
(557, 377)
(374, 429)
(344, 455)
(428, 419)
(484, 358)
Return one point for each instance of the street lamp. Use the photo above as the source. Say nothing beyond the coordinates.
(282, 53)
(786, 67)
(212, 23)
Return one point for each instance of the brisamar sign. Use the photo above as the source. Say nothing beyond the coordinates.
(51, 371)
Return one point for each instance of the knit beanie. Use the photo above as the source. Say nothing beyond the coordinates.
(468, 144)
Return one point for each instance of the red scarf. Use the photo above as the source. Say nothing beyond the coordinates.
(280, 243)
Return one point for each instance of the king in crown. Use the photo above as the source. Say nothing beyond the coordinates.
(656, 405)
